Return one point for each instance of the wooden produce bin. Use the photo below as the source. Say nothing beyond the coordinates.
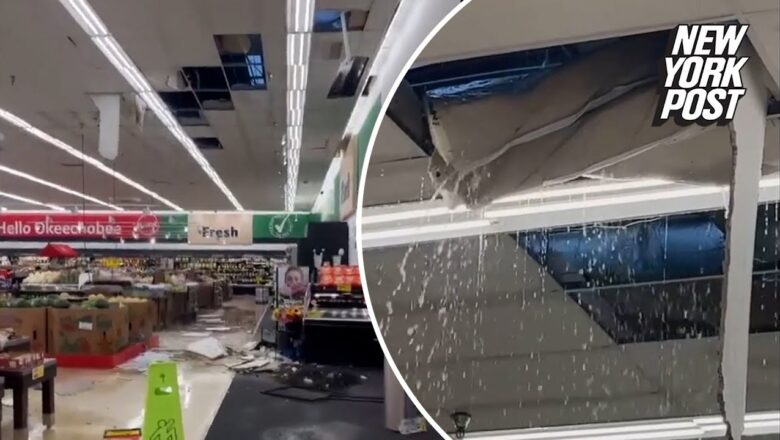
(220, 292)
(77, 331)
(181, 306)
(28, 322)
(205, 295)
(141, 320)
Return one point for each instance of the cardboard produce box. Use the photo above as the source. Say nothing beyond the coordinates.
(205, 293)
(78, 331)
(26, 322)
(141, 319)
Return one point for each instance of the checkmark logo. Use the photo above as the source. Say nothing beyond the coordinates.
(279, 228)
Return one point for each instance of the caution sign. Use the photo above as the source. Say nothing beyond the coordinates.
(162, 417)
(122, 434)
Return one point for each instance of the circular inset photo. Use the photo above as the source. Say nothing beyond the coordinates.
(569, 221)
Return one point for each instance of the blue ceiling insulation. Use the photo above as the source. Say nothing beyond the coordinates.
(661, 278)
(480, 77)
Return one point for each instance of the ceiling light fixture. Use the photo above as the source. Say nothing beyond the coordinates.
(548, 193)
(424, 230)
(24, 125)
(300, 21)
(300, 15)
(29, 201)
(412, 214)
(57, 187)
(83, 13)
(621, 199)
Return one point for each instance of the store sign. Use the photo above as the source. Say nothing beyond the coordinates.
(280, 226)
(79, 226)
(220, 228)
(348, 181)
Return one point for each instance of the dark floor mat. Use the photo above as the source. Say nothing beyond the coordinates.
(318, 377)
(248, 413)
(296, 393)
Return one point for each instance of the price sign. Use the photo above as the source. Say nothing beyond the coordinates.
(122, 434)
(37, 372)
(344, 288)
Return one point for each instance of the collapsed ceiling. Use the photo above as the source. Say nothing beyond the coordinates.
(591, 117)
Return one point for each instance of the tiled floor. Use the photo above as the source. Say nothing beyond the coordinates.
(90, 401)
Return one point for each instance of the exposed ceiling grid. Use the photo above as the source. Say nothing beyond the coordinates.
(52, 93)
(83, 13)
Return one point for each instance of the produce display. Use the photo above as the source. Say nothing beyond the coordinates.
(66, 276)
(45, 277)
(58, 301)
(126, 300)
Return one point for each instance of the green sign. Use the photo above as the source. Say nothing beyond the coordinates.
(280, 226)
(173, 227)
(162, 416)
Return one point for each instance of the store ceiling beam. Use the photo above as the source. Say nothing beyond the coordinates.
(747, 139)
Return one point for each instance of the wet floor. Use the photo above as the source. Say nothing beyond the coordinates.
(90, 401)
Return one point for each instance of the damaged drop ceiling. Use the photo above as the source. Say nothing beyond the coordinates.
(590, 117)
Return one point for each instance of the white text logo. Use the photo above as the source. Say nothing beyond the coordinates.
(702, 82)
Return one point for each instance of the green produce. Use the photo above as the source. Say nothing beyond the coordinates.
(39, 302)
(101, 303)
(60, 303)
(21, 304)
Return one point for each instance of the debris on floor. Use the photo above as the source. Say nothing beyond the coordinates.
(74, 386)
(141, 362)
(196, 334)
(218, 329)
(210, 348)
(413, 426)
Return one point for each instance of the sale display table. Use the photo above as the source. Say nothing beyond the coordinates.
(20, 380)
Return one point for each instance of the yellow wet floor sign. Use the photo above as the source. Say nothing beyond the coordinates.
(162, 417)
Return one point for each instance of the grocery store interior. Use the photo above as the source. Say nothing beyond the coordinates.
(543, 262)
(177, 219)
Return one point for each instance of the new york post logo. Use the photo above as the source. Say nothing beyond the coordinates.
(701, 82)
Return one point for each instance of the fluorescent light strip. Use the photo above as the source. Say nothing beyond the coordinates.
(298, 48)
(300, 15)
(300, 19)
(83, 13)
(296, 77)
(542, 194)
(60, 188)
(584, 189)
(616, 200)
(766, 182)
(424, 230)
(408, 215)
(295, 117)
(296, 99)
(51, 140)
(19, 198)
